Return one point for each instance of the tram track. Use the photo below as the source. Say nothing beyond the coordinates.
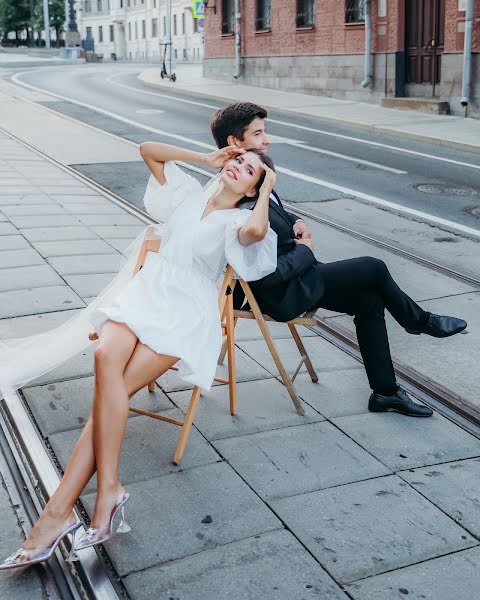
(32, 462)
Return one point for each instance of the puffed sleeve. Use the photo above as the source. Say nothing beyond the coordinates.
(161, 200)
(250, 262)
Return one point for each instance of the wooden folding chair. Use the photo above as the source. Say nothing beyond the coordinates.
(227, 323)
(256, 314)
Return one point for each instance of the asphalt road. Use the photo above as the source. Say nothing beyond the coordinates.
(326, 161)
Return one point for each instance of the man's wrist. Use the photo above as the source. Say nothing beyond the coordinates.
(298, 221)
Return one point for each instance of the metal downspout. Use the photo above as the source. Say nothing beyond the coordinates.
(467, 54)
(238, 41)
(368, 80)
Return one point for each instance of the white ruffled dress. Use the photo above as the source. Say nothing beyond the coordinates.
(172, 303)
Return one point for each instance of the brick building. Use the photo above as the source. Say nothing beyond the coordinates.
(318, 47)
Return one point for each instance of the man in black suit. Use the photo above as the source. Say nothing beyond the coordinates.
(361, 287)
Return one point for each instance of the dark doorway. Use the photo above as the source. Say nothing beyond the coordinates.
(424, 42)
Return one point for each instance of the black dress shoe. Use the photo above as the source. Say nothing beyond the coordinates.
(399, 402)
(440, 326)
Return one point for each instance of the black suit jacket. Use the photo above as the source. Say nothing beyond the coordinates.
(296, 286)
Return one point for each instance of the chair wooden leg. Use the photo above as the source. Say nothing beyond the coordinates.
(187, 425)
(273, 349)
(303, 352)
(151, 386)
(223, 351)
(232, 371)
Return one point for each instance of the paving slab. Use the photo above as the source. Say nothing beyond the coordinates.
(111, 220)
(247, 370)
(324, 356)
(455, 576)
(34, 209)
(54, 234)
(90, 198)
(72, 247)
(60, 190)
(23, 222)
(83, 264)
(66, 405)
(247, 329)
(8, 229)
(23, 583)
(337, 393)
(13, 242)
(78, 366)
(20, 258)
(28, 277)
(117, 232)
(366, 528)
(99, 208)
(296, 460)
(15, 303)
(20, 199)
(262, 405)
(120, 244)
(171, 509)
(147, 449)
(18, 327)
(405, 443)
(271, 566)
(453, 488)
(89, 285)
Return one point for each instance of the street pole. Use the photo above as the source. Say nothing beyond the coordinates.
(169, 34)
(46, 22)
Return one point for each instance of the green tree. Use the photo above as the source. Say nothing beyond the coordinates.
(56, 13)
(16, 16)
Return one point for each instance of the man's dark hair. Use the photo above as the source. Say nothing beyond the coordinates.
(266, 160)
(233, 120)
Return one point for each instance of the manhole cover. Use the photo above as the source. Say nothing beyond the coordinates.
(474, 211)
(444, 189)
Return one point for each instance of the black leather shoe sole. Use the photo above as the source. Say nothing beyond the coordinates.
(402, 412)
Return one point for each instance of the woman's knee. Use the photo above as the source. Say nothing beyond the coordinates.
(105, 356)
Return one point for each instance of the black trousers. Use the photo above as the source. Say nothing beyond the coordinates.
(364, 288)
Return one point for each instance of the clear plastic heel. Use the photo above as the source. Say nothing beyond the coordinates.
(72, 555)
(123, 527)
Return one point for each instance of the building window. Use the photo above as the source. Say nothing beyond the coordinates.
(144, 29)
(228, 16)
(112, 33)
(136, 30)
(183, 23)
(305, 13)
(174, 24)
(88, 32)
(129, 31)
(88, 6)
(164, 26)
(195, 25)
(100, 33)
(99, 6)
(355, 11)
(264, 15)
(154, 28)
(121, 3)
(154, 3)
(176, 54)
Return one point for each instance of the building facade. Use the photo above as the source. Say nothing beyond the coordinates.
(318, 47)
(138, 29)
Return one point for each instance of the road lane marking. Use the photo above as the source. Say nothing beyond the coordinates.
(294, 174)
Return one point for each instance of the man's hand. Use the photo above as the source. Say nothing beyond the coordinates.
(301, 231)
(305, 242)
(217, 159)
(269, 181)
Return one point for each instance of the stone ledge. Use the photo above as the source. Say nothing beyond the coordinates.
(426, 105)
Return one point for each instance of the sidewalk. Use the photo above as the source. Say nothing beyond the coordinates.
(448, 130)
(267, 504)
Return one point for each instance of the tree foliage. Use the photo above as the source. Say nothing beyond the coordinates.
(27, 15)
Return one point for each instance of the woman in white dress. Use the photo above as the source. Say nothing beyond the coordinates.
(166, 313)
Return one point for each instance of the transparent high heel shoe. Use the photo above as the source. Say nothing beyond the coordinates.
(94, 536)
(25, 558)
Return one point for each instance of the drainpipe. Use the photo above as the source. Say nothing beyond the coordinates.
(467, 55)
(368, 80)
(238, 41)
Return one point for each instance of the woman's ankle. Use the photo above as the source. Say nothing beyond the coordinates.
(61, 513)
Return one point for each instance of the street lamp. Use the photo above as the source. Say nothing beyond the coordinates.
(72, 36)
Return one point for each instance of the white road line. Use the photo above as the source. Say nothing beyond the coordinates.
(302, 176)
(351, 159)
(304, 128)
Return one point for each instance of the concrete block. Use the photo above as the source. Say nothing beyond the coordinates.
(120, 244)
(72, 247)
(44, 221)
(453, 488)
(147, 448)
(173, 508)
(117, 231)
(66, 405)
(367, 528)
(59, 190)
(55, 234)
(65, 199)
(337, 393)
(19, 258)
(78, 366)
(28, 210)
(296, 460)
(13, 242)
(20, 199)
(100, 208)
(82, 264)
(8, 229)
(247, 329)
(404, 443)
(89, 285)
(121, 219)
(16, 303)
(32, 324)
(262, 405)
(269, 566)
(21, 278)
(453, 576)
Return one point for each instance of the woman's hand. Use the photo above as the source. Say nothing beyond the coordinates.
(269, 181)
(218, 158)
